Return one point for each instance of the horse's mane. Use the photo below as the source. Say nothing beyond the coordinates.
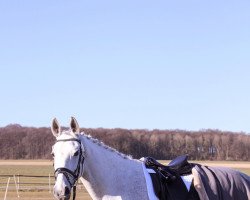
(98, 142)
(101, 144)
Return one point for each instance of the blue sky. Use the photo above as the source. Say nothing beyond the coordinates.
(129, 64)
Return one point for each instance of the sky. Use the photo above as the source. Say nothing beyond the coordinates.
(126, 64)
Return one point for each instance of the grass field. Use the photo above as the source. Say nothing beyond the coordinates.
(32, 191)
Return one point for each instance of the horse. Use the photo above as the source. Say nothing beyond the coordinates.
(105, 172)
(110, 175)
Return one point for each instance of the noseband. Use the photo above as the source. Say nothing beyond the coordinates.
(67, 172)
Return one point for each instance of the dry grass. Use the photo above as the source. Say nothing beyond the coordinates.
(35, 192)
(26, 162)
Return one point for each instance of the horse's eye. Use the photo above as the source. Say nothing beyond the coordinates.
(53, 154)
(76, 153)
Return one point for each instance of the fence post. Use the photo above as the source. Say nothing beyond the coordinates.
(18, 181)
(16, 186)
(49, 184)
(7, 186)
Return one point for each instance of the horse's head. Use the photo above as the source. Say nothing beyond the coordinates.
(68, 153)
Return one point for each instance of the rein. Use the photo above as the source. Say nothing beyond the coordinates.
(67, 172)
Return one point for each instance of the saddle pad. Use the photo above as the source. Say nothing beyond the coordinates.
(187, 179)
(150, 189)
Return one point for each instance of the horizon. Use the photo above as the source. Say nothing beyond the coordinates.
(133, 65)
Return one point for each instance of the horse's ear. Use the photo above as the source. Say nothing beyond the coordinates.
(74, 126)
(55, 128)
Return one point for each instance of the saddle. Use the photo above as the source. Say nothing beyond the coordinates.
(167, 181)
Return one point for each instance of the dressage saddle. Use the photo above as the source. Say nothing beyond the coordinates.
(167, 181)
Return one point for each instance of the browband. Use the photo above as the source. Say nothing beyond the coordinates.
(71, 139)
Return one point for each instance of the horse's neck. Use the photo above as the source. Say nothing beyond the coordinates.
(109, 174)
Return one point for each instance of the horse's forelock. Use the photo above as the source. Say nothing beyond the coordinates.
(66, 134)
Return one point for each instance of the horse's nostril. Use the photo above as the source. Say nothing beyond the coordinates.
(67, 191)
(56, 194)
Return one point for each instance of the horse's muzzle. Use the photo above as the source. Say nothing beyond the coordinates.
(62, 197)
(63, 194)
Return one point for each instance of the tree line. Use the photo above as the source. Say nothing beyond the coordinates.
(17, 142)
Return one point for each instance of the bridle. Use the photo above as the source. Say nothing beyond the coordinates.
(72, 175)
